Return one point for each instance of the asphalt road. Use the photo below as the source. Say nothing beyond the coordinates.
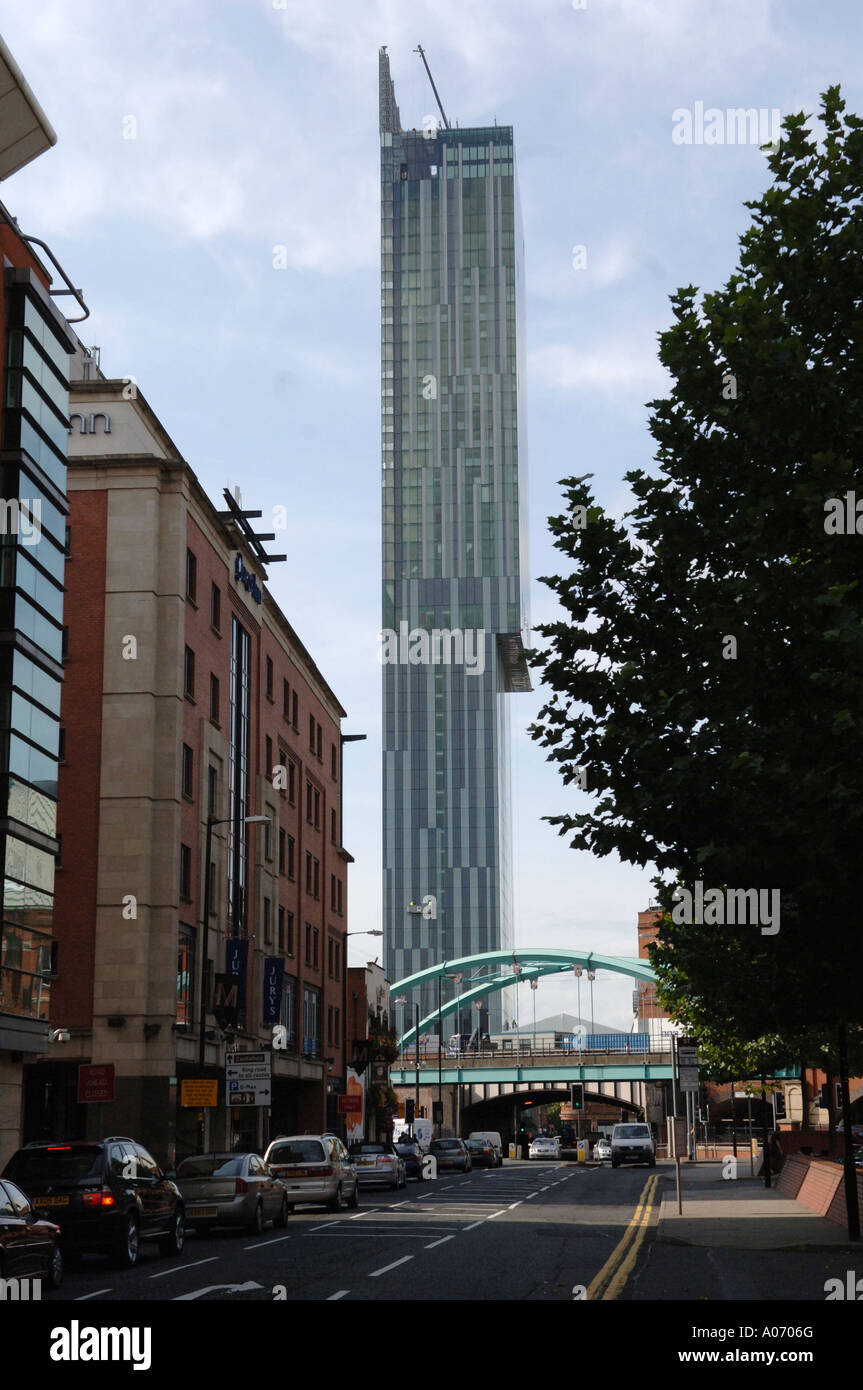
(529, 1230)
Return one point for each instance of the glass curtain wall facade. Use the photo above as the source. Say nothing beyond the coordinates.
(33, 513)
(454, 540)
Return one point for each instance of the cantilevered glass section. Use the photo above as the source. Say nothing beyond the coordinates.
(454, 536)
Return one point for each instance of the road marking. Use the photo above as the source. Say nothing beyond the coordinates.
(82, 1298)
(333, 1296)
(545, 1189)
(386, 1269)
(177, 1269)
(211, 1288)
(443, 1240)
(370, 1212)
(496, 1213)
(474, 1226)
(513, 1205)
(531, 1194)
(608, 1283)
(261, 1243)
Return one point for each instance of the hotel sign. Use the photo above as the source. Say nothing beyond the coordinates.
(249, 581)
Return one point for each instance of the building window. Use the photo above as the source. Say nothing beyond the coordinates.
(289, 942)
(61, 744)
(313, 806)
(283, 840)
(185, 975)
(185, 873)
(268, 836)
(215, 607)
(313, 876)
(312, 732)
(268, 757)
(330, 956)
(339, 896)
(191, 576)
(212, 790)
(269, 677)
(333, 827)
(286, 699)
(214, 699)
(68, 541)
(189, 672)
(329, 1025)
(280, 930)
(188, 770)
(283, 765)
(58, 858)
(292, 783)
(334, 763)
(316, 865)
(214, 899)
(308, 943)
(337, 1027)
(320, 744)
(295, 711)
(316, 936)
(311, 1021)
(268, 926)
(292, 857)
(64, 646)
(338, 960)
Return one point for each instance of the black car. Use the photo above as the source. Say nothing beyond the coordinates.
(29, 1247)
(413, 1155)
(107, 1196)
(482, 1153)
(451, 1153)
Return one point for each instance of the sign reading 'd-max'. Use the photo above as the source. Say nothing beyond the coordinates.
(247, 579)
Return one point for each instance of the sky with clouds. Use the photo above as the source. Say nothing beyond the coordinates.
(255, 126)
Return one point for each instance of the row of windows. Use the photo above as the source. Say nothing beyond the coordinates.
(185, 993)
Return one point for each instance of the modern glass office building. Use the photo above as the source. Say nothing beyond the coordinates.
(455, 563)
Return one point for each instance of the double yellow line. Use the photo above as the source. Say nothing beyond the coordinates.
(610, 1280)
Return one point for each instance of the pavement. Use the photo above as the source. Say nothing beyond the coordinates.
(740, 1214)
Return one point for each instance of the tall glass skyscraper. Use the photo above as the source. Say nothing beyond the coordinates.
(455, 560)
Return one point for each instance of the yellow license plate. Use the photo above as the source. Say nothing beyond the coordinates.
(52, 1202)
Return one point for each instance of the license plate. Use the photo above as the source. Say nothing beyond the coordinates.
(366, 1162)
(203, 1211)
(52, 1202)
(292, 1173)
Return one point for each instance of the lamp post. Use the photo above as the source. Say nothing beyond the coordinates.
(591, 975)
(516, 970)
(205, 935)
(534, 985)
(577, 971)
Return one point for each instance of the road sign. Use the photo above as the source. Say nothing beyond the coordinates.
(200, 1095)
(248, 1078)
(95, 1083)
(350, 1105)
(687, 1062)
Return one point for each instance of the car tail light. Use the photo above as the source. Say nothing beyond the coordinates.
(58, 1148)
(105, 1198)
(240, 1186)
(382, 1158)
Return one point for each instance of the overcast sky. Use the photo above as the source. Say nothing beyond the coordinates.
(255, 126)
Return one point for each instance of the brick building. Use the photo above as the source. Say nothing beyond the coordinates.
(188, 697)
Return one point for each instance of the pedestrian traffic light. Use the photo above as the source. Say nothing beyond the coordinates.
(823, 1102)
(577, 1095)
(779, 1104)
(409, 1111)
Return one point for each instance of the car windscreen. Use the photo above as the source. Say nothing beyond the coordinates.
(370, 1149)
(631, 1132)
(446, 1144)
(298, 1151)
(55, 1165)
(212, 1166)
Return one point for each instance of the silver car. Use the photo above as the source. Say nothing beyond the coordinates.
(223, 1189)
(379, 1163)
(314, 1168)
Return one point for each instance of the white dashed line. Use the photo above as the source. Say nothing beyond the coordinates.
(178, 1269)
(333, 1296)
(82, 1298)
(443, 1240)
(513, 1205)
(474, 1226)
(261, 1243)
(386, 1269)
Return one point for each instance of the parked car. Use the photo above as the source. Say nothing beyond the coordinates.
(29, 1246)
(493, 1138)
(602, 1150)
(108, 1195)
(451, 1153)
(412, 1155)
(544, 1146)
(379, 1163)
(224, 1189)
(632, 1143)
(482, 1153)
(314, 1168)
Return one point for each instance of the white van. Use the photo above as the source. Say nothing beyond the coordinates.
(491, 1136)
(632, 1143)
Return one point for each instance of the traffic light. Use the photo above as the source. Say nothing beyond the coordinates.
(779, 1104)
(409, 1111)
(823, 1103)
(577, 1095)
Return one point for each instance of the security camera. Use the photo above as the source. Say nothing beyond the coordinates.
(59, 1035)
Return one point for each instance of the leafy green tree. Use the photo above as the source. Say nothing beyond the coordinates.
(707, 666)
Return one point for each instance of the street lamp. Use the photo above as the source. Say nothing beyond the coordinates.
(534, 986)
(577, 971)
(516, 970)
(205, 934)
(591, 975)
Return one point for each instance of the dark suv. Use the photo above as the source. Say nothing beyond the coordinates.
(107, 1196)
